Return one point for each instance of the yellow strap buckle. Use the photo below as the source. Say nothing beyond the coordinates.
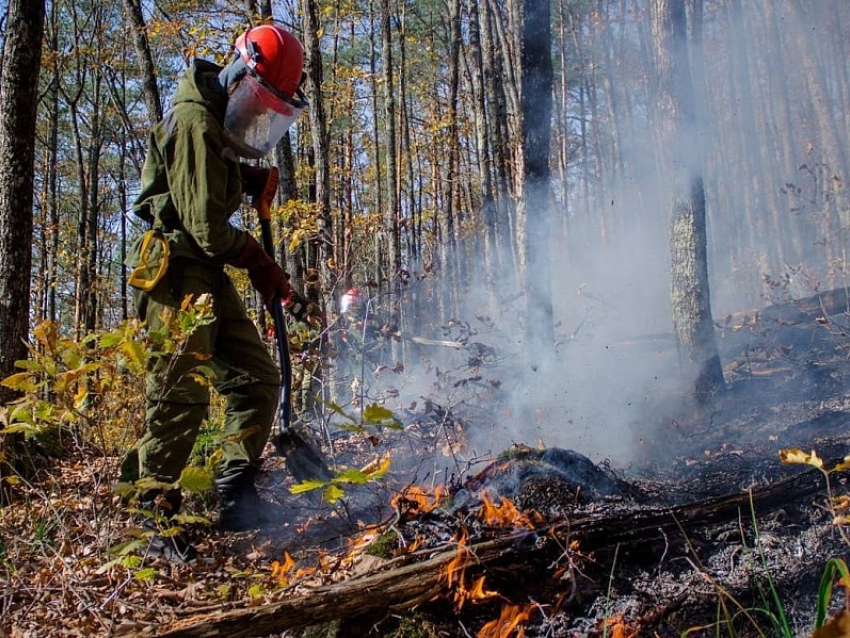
(153, 261)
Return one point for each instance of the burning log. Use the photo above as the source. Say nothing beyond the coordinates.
(425, 575)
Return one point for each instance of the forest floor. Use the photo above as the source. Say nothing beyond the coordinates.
(748, 576)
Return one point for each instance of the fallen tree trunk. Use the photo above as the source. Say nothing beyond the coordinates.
(794, 311)
(419, 577)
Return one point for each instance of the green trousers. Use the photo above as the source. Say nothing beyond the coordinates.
(177, 402)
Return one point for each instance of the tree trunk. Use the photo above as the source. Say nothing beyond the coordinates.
(18, 109)
(144, 59)
(448, 217)
(377, 158)
(324, 242)
(491, 263)
(391, 214)
(536, 129)
(827, 131)
(91, 307)
(498, 136)
(689, 263)
(52, 246)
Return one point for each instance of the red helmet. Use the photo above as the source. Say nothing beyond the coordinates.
(275, 55)
(262, 83)
(350, 300)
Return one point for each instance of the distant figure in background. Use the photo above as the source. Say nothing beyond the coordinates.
(359, 342)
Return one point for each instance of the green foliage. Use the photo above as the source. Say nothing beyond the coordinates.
(383, 546)
(334, 489)
(88, 387)
(373, 415)
(93, 387)
(772, 606)
(195, 479)
(833, 566)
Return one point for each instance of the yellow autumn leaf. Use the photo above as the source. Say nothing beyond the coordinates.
(843, 465)
(195, 479)
(841, 502)
(377, 468)
(21, 382)
(134, 351)
(81, 397)
(794, 456)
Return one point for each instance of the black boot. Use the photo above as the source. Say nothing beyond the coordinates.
(162, 542)
(242, 508)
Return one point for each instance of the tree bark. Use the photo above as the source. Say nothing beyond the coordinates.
(482, 125)
(536, 130)
(144, 59)
(688, 257)
(324, 242)
(391, 214)
(18, 108)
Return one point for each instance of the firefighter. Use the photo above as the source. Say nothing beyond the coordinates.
(359, 340)
(192, 182)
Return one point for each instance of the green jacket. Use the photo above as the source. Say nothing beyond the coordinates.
(190, 181)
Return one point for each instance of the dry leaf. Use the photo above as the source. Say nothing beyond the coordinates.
(836, 627)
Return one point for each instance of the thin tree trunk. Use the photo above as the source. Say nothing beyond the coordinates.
(689, 264)
(835, 158)
(52, 246)
(324, 243)
(375, 26)
(391, 214)
(498, 137)
(482, 124)
(537, 76)
(448, 247)
(147, 68)
(91, 307)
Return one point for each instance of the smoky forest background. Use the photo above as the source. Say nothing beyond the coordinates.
(564, 217)
(545, 179)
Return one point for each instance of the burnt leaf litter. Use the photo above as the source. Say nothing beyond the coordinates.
(536, 542)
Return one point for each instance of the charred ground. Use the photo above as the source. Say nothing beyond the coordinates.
(589, 557)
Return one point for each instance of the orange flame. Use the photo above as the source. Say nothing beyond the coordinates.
(414, 545)
(357, 547)
(418, 499)
(478, 592)
(510, 618)
(455, 576)
(280, 571)
(503, 514)
(619, 629)
(457, 566)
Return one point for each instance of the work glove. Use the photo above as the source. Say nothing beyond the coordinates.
(254, 179)
(266, 275)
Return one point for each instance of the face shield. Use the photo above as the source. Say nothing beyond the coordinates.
(257, 116)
